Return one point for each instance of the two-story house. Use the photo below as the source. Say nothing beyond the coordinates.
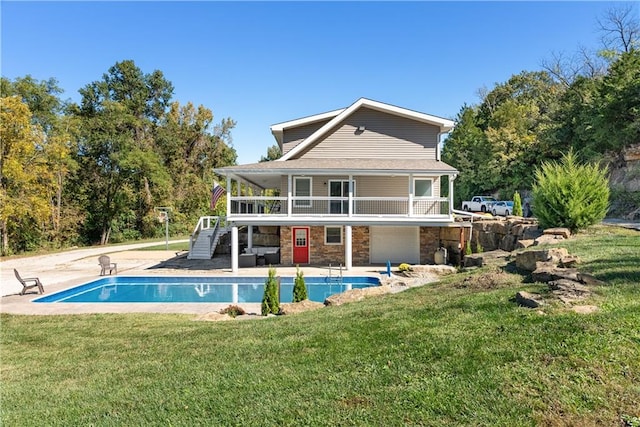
(360, 185)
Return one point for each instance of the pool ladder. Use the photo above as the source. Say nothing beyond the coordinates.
(336, 279)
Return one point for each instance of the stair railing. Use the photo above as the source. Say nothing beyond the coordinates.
(204, 223)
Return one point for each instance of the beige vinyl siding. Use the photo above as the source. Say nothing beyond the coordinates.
(366, 186)
(384, 135)
(294, 136)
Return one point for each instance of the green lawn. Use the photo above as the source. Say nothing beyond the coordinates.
(453, 353)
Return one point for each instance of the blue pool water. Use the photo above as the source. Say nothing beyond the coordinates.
(199, 289)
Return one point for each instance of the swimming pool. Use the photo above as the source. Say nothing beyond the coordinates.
(168, 289)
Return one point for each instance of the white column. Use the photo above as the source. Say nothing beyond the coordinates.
(348, 256)
(234, 249)
(410, 211)
(451, 179)
(350, 195)
(250, 236)
(228, 196)
(289, 193)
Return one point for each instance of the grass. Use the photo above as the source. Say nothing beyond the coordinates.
(451, 353)
(183, 246)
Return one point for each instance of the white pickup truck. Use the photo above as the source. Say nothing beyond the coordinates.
(478, 204)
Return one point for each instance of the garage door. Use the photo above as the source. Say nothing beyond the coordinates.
(395, 244)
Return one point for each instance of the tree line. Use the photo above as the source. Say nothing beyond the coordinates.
(588, 103)
(93, 172)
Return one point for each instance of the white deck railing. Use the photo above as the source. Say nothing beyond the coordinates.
(339, 206)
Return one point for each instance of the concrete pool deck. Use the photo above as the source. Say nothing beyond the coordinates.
(71, 268)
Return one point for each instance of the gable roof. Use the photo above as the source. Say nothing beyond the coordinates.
(338, 116)
(278, 129)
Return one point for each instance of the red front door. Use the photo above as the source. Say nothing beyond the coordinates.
(300, 245)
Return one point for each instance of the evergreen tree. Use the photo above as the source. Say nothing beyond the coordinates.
(270, 299)
(570, 194)
(517, 204)
(299, 287)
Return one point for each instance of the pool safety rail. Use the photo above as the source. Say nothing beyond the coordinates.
(335, 279)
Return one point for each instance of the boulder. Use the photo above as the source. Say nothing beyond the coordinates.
(356, 295)
(569, 288)
(569, 261)
(589, 280)
(473, 260)
(548, 271)
(558, 231)
(521, 244)
(508, 242)
(526, 231)
(548, 239)
(528, 299)
(214, 317)
(299, 307)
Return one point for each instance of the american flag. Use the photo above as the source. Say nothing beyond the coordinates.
(216, 192)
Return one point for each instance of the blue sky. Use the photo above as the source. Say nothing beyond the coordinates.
(262, 63)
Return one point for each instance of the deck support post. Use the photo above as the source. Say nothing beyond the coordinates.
(234, 249)
(250, 236)
(451, 179)
(348, 253)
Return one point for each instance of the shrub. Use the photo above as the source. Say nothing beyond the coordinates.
(299, 288)
(467, 249)
(270, 299)
(479, 248)
(517, 204)
(404, 267)
(570, 194)
(233, 311)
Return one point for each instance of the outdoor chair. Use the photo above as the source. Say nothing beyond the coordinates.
(106, 264)
(28, 283)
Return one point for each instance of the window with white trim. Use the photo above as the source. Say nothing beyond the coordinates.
(423, 187)
(302, 188)
(332, 235)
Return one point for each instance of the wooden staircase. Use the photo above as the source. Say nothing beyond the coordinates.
(206, 236)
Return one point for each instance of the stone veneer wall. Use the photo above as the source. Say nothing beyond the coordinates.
(431, 238)
(322, 254)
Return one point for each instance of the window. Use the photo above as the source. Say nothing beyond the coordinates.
(422, 187)
(302, 188)
(339, 188)
(333, 235)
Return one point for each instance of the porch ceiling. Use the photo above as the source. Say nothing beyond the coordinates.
(267, 174)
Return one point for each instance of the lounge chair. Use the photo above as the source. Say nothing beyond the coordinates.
(35, 283)
(106, 264)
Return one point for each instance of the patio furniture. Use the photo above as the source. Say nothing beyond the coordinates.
(247, 260)
(106, 264)
(272, 258)
(35, 283)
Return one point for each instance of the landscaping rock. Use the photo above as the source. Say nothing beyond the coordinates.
(589, 280)
(528, 260)
(214, 317)
(569, 261)
(548, 239)
(530, 300)
(548, 271)
(565, 233)
(440, 270)
(568, 289)
(299, 307)
(356, 295)
(473, 260)
(526, 231)
(508, 242)
(521, 244)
